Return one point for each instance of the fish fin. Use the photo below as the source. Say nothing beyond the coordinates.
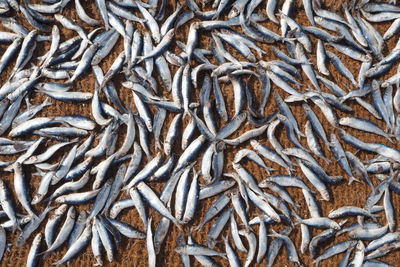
(139, 59)
(353, 179)
(47, 102)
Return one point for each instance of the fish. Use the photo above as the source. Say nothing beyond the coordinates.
(32, 225)
(198, 250)
(64, 232)
(7, 205)
(53, 223)
(77, 246)
(195, 99)
(34, 251)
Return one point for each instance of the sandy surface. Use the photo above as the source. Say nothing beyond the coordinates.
(133, 252)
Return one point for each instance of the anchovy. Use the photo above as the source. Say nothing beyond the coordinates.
(368, 233)
(47, 154)
(181, 194)
(290, 131)
(342, 69)
(198, 250)
(78, 228)
(155, 202)
(34, 251)
(315, 181)
(64, 232)
(313, 143)
(335, 249)
(231, 255)
(217, 228)
(262, 241)
(118, 206)
(77, 198)
(146, 172)
(20, 186)
(363, 125)
(32, 225)
(77, 246)
(7, 205)
(192, 200)
(53, 223)
(340, 156)
(215, 208)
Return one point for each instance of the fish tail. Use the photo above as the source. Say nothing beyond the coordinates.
(353, 179)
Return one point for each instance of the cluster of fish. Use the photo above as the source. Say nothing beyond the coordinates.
(80, 160)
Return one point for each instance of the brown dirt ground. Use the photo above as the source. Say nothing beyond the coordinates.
(133, 252)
